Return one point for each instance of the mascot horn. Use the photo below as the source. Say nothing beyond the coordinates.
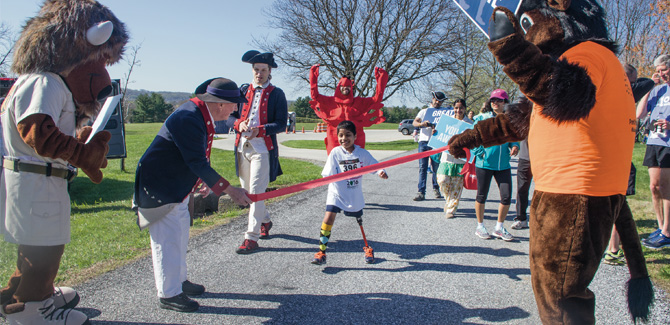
(580, 125)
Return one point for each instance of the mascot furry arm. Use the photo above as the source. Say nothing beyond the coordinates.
(40, 132)
(534, 72)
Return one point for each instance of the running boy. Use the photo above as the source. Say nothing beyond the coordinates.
(346, 195)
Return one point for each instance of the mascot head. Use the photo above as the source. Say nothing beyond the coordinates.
(348, 97)
(556, 25)
(76, 39)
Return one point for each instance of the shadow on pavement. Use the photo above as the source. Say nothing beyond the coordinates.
(400, 207)
(413, 266)
(364, 308)
(404, 251)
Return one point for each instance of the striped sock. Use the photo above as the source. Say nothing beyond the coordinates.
(324, 236)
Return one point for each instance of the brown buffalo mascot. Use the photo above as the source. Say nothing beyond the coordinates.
(60, 58)
(580, 123)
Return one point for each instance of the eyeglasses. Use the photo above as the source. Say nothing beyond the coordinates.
(497, 100)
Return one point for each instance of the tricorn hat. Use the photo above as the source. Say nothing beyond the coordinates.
(219, 90)
(254, 56)
(440, 96)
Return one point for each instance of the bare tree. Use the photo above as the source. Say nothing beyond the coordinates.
(132, 61)
(467, 54)
(641, 30)
(7, 40)
(351, 37)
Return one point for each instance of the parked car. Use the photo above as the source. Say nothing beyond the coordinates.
(406, 127)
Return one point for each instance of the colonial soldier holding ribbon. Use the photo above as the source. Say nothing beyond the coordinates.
(175, 164)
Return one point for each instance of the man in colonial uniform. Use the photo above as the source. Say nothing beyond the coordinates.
(256, 153)
(175, 164)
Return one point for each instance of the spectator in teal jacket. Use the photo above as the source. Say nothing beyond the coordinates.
(494, 162)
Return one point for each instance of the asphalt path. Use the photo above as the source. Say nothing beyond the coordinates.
(428, 269)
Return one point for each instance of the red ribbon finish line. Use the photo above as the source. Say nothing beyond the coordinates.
(343, 176)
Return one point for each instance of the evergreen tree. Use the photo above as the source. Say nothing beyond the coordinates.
(302, 108)
(151, 108)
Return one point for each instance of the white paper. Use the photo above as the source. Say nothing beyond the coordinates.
(103, 116)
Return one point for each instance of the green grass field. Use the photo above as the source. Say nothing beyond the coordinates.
(105, 236)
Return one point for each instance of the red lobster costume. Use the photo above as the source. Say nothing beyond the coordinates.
(335, 109)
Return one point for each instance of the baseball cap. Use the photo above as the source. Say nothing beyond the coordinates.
(500, 94)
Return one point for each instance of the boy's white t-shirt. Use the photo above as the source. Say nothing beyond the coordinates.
(347, 194)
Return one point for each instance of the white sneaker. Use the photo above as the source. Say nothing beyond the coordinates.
(503, 234)
(65, 298)
(44, 312)
(517, 225)
(481, 232)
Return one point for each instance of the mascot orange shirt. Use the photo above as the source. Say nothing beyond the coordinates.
(591, 157)
(579, 120)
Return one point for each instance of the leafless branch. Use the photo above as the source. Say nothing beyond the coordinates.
(132, 61)
(352, 37)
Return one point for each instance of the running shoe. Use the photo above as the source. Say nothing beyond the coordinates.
(502, 234)
(319, 258)
(438, 195)
(420, 197)
(520, 224)
(481, 232)
(617, 258)
(657, 242)
(369, 255)
(652, 235)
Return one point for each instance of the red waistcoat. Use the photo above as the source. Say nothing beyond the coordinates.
(262, 115)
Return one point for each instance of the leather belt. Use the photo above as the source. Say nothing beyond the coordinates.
(18, 166)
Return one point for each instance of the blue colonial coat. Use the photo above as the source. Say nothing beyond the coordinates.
(177, 158)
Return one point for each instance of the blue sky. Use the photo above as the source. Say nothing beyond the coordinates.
(186, 42)
(183, 42)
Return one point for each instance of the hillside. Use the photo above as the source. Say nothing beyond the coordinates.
(171, 97)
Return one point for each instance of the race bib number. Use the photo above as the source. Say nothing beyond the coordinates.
(350, 164)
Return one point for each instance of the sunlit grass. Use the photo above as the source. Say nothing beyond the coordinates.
(103, 226)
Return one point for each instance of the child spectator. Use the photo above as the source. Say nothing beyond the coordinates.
(345, 195)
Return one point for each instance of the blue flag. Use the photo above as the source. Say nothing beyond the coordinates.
(446, 128)
(480, 11)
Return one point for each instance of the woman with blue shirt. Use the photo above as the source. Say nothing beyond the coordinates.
(657, 155)
(494, 162)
